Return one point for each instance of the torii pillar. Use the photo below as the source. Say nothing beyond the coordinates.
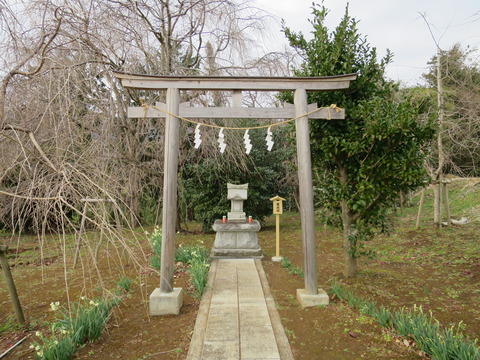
(311, 295)
(167, 299)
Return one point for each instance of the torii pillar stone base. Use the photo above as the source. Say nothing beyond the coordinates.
(307, 300)
(166, 303)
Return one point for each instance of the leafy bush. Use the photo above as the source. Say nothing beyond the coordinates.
(186, 254)
(195, 256)
(198, 271)
(198, 261)
(85, 323)
(58, 346)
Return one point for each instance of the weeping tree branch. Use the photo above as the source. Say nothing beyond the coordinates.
(40, 49)
(34, 141)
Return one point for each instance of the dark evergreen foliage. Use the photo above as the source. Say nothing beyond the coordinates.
(205, 181)
(364, 161)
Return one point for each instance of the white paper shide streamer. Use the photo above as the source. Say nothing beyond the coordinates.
(269, 139)
(247, 142)
(221, 141)
(198, 137)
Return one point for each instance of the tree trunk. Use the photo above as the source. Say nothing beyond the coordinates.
(348, 222)
(402, 201)
(296, 196)
(437, 203)
(134, 209)
(420, 206)
(2, 104)
(349, 248)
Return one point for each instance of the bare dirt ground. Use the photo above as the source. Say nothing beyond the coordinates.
(439, 270)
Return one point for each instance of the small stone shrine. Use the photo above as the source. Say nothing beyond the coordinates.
(236, 236)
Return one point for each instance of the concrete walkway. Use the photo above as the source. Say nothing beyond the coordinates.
(237, 318)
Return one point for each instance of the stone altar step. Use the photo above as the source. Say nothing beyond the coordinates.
(236, 240)
(237, 319)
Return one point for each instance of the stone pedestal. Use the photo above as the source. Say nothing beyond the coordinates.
(307, 300)
(236, 240)
(166, 303)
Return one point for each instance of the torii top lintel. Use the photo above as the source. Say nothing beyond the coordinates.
(254, 83)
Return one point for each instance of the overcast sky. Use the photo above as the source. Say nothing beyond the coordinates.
(393, 24)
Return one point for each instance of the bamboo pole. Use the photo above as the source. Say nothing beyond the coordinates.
(11, 285)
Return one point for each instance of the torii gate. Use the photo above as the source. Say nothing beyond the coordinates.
(166, 299)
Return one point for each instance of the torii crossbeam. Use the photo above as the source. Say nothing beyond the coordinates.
(167, 299)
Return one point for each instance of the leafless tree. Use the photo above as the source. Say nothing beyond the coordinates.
(67, 127)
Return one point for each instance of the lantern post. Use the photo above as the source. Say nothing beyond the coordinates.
(277, 211)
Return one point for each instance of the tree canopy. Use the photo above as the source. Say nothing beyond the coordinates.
(364, 161)
(64, 130)
(460, 77)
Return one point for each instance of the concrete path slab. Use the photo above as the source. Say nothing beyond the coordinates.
(237, 319)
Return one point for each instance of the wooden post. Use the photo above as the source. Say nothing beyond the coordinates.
(277, 237)
(437, 203)
(277, 211)
(11, 285)
(420, 207)
(446, 202)
(170, 185)
(306, 193)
